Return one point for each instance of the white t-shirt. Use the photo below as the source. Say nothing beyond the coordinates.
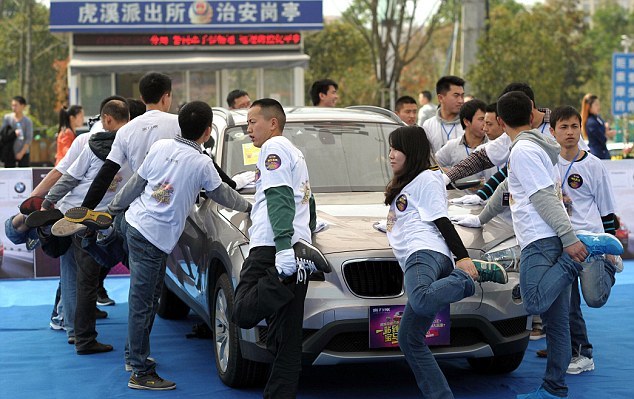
(73, 152)
(175, 174)
(587, 184)
(280, 164)
(85, 169)
(410, 220)
(455, 151)
(530, 170)
(439, 132)
(134, 139)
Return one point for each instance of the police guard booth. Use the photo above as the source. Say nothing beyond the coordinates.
(208, 48)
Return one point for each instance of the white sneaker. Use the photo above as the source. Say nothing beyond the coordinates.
(618, 265)
(579, 364)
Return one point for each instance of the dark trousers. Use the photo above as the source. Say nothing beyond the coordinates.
(25, 162)
(88, 278)
(261, 295)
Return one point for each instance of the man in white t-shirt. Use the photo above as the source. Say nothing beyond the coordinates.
(160, 195)
(445, 125)
(590, 203)
(472, 121)
(551, 253)
(271, 286)
(80, 273)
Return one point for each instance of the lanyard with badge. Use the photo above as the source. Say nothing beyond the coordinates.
(566, 199)
(442, 125)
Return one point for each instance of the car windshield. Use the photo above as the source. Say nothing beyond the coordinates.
(341, 156)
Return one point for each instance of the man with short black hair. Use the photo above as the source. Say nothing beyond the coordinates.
(323, 93)
(427, 109)
(23, 128)
(492, 128)
(406, 108)
(238, 99)
(445, 125)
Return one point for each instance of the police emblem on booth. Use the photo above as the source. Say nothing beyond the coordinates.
(272, 162)
(575, 181)
(401, 202)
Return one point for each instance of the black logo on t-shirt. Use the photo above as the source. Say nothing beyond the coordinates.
(575, 181)
(401, 202)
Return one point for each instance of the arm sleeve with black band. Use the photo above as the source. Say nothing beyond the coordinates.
(610, 223)
(63, 186)
(100, 185)
(280, 204)
(224, 177)
(476, 162)
(494, 181)
(550, 209)
(453, 240)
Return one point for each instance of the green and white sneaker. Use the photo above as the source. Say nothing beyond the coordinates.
(490, 271)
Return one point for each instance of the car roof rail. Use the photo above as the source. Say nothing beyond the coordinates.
(378, 110)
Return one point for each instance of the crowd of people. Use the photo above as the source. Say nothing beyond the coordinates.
(122, 192)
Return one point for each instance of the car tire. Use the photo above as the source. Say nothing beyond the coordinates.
(171, 307)
(501, 364)
(233, 370)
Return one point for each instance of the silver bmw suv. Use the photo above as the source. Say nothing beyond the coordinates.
(351, 314)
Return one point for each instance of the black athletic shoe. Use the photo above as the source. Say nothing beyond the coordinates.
(103, 299)
(100, 314)
(309, 260)
(43, 218)
(93, 219)
(150, 381)
(95, 347)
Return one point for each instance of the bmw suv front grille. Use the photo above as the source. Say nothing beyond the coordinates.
(374, 278)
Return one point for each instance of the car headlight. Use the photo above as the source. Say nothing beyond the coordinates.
(509, 258)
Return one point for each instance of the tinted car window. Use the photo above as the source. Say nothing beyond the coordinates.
(341, 157)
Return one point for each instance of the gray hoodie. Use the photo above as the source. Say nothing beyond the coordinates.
(545, 201)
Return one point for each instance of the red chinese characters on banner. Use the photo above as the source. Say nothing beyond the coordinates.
(223, 39)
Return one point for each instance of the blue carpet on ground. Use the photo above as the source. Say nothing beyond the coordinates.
(36, 362)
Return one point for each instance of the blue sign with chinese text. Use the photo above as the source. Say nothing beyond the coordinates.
(622, 84)
(184, 16)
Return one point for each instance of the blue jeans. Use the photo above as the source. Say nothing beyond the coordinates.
(68, 281)
(597, 279)
(546, 273)
(147, 271)
(431, 283)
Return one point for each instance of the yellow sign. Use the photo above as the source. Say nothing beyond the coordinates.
(250, 154)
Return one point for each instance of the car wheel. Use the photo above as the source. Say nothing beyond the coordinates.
(497, 364)
(233, 369)
(171, 307)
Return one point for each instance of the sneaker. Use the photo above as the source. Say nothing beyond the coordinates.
(541, 393)
(542, 353)
(64, 228)
(490, 271)
(32, 243)
(150, 381)
(537, 333)
(309, 260)
(56, 325)
(30, 205)
(600, 243)
(93, 219)
(103, 299)
(150, 359)
(43, 218)
(71, 340)
(100, 314)
(618, 264)
(579, 364)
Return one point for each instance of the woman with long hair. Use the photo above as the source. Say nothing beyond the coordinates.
(423, 240)
(595, 129)
(69, 120)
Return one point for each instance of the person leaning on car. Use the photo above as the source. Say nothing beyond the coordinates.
(283, 214)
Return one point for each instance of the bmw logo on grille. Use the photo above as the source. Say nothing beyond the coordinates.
(19, 187)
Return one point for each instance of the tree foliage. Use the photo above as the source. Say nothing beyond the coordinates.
(544, 47)
(338, 52)
(29, 54)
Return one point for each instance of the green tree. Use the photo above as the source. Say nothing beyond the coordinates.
(28, 53)
(338, 52)
(543, 46)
